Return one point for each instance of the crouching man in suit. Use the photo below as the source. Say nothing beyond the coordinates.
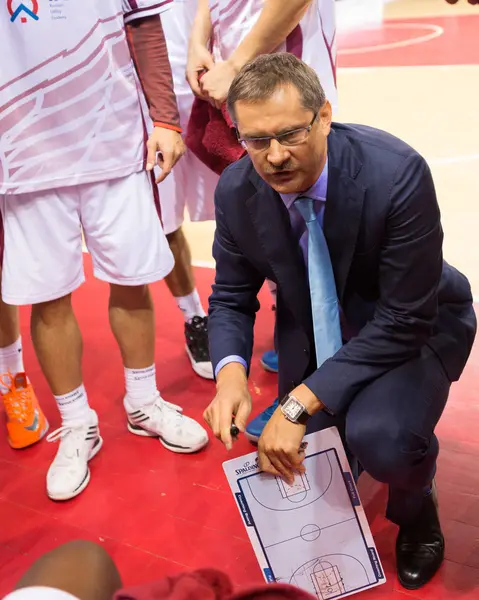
(372, 324)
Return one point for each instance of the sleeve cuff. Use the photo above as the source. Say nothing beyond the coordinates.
(229, 359)
(167, 126)
(147, 11)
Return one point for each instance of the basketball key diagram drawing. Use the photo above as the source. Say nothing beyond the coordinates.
(306, 489)
(325, 576)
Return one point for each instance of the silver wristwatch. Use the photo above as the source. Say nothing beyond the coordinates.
(294, 410)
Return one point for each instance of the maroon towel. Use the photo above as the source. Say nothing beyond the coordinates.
(209, 584)
(211, 137)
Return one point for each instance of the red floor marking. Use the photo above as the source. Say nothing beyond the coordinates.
(456, 45)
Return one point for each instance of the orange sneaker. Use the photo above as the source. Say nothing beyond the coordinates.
(26, 423)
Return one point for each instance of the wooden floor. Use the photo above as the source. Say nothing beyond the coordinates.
(417, 76)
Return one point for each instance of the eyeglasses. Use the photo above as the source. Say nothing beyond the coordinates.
(289, 138)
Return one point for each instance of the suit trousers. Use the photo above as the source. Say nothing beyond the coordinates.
(388, 431)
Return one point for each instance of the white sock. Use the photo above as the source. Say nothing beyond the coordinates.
(191, 306)
(141, 387)
(74, 406)
(11, 361)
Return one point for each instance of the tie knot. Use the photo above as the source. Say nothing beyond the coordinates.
(305, 206)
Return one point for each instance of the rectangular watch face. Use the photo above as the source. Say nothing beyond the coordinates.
(292, 409)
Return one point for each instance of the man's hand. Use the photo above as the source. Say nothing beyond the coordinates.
(279, 448)
(216, 83)
(232, 399)
(199, 61)
(168, 145)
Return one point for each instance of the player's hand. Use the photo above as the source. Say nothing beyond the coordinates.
(199, 61)
(165, 148)
(217, 81)
(280, 450)
(232, 400)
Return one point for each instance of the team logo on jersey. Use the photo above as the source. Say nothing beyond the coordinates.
(23, 10)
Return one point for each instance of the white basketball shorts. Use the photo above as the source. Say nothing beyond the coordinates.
(191, 185)
(43, 257)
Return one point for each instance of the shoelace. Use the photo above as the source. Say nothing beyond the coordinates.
(60, 433)
(71, 437)
(16, 406)
(172, 413)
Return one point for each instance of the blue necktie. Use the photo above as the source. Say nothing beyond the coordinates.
(324, 300)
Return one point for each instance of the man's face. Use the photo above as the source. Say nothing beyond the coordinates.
(287, 169)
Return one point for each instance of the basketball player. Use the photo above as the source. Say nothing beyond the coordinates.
(190, 186)
(72, 150)
(226, 35)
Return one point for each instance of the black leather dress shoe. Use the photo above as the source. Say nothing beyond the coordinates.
(420, 546)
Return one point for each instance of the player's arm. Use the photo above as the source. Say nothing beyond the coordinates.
(275, 22)
(199, 57)
(148, 49)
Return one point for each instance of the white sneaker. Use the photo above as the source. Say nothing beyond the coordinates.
(69, 474)
(164, 421)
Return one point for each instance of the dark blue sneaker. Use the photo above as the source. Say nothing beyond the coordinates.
(269, 361)
(255, 428)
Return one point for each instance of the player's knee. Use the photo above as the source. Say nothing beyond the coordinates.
(176, 239)
(84, 557)
(129, 296)
(52, 311)
(385, 451)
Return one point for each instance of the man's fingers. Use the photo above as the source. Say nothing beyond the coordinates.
(286, 472)
(225, 418)
(151, 156)
(211, 417)
(266, 466)
(209, 62)
(268, 456)
(293, 459)
(165, 164)
(192, 79)
(242, 416)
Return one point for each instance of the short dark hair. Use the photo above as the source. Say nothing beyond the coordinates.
(261, 77)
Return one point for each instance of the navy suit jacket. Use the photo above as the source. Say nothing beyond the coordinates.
(382, 225)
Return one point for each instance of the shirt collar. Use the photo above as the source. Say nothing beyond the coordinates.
(317, 191)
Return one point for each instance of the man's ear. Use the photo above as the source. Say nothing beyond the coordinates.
(325, 117)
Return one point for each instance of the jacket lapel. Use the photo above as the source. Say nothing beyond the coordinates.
(344, 205)
(271, 221)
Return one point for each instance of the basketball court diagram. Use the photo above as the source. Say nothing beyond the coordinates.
(312, 534)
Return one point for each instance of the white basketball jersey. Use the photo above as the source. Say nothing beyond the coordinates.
(314, 40)
(69, 106)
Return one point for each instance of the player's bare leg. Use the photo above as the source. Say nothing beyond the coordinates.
(132, 321)
(58, 344)
(181, 284)
(26, 423)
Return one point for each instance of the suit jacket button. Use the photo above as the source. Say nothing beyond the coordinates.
(305, 350)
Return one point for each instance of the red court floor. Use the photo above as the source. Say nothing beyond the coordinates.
(159, 513)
